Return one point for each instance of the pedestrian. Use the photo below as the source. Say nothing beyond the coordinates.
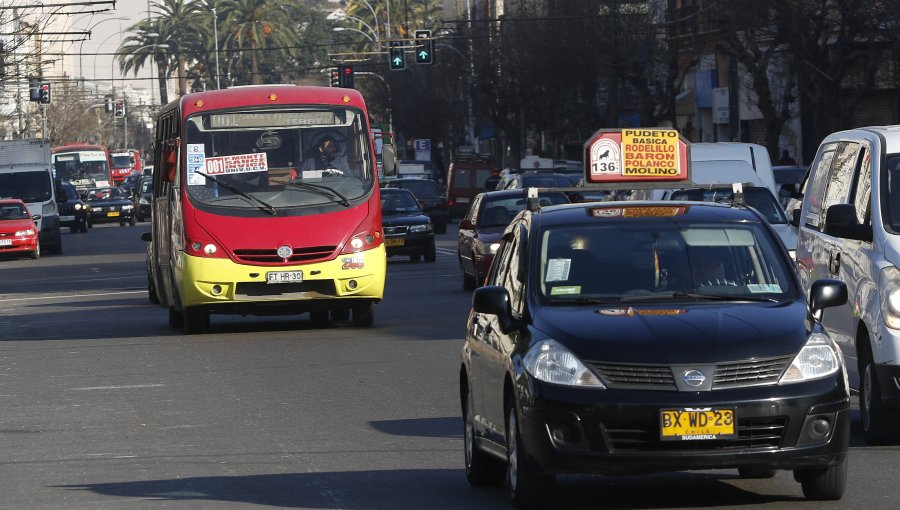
(491, 182)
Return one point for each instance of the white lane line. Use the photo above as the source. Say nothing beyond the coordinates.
(75, 296)
(123, 387)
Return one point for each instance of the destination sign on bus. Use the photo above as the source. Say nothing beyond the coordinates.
(273, 119)
(647, 155)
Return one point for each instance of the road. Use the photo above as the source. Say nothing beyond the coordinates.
(103, 406)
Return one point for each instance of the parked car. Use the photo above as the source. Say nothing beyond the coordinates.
(110, 204)
(407, 230)
(141, 199)
(480, 229)
(73, 212)
(130, 183)
(849, 229)
(430, 194)
(631, 337)
(18, 231)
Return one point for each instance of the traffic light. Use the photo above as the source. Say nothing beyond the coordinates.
(108, 104)
(397, 58)
(424, 47)
(45, 93)
(120, 107)
(346, 73)
(34, 90)
(335, 77)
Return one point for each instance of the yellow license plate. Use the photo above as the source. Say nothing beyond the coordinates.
(690, 424)
(394, 242)
(112, 213)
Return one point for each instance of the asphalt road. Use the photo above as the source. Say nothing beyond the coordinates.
(102, 405)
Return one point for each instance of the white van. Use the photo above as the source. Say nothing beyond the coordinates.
(849, 229)
(753, 154)
(26, 174)
(709, 173)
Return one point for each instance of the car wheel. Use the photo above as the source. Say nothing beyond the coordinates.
(319, 318)
(527, 488)
(877, 420)
(363, 315)
(756, 472)
(176, 319)
(823, 484)
(481, 468)
(83, 226)
(415, 257)
(36, 254)
(431, 254)
(196, 320)
(121, 223)
(340, 314)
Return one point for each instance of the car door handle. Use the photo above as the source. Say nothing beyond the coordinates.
(834, 264)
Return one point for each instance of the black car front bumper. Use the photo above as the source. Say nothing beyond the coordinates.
(577, 430)
(412, 243)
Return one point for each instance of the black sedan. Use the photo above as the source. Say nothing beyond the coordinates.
(110, 204)
(639, 337)
(73, 212)
(141, 197)
(407, 230)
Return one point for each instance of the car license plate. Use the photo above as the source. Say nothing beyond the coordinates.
(112, 213)
(5, 242)
(691, 424)
(67, 218)
(395, 242)
(284, 276)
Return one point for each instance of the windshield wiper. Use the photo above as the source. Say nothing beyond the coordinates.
(319, 188)
(586, 300)
(697, 295)
(264, 206)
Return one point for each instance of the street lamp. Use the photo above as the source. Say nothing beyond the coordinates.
(342, 29)
(81, 46)
(216, 37)
(361, 22)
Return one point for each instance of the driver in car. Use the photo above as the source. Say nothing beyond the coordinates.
(329, 158)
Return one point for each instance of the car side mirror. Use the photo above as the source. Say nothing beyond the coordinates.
(840, 221)
(494, 300)
(466, 224)
(826, 293)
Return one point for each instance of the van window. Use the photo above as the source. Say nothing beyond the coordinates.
(891, 194)
(863, 190)
(840, 180)
(819, 174)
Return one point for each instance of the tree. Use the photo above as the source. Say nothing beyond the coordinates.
(254, 25)
(179, 20)
(146, 41)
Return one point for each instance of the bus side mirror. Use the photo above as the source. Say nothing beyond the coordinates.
(388, 160)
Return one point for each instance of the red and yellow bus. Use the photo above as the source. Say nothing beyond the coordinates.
(84, 165)
(251, 217)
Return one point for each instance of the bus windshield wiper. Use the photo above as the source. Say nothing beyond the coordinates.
(264, 206)
(318, 188)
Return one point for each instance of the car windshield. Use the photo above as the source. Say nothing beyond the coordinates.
(122, 160)
(891, 191)
(28, 187)
(621, 261)
(760, 199)
(105, 194)
(500, 211)
(282, 158)
(13, 212)
(398, 201)
(421, 188)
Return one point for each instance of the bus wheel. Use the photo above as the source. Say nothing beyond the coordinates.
(176, 319)
(340, 314)
(196, 320)
(363, 315)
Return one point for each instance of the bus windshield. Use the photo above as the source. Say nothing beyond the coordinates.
(289, 157)
(85, 168)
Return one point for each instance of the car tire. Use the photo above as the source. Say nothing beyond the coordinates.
(36, 254)
(878, 422)
(527, 488)
(481, 468)
(83, 225)
(196, 320)
(758, 473)
(363, 315)
(121, 223)
(431, 254)
(176, 319)
(823, 484)
(340, 314)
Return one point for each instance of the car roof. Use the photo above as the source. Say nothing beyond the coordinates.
(582, 213)
(8, 201)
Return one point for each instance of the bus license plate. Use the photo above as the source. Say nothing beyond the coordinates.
(112, 213)
(691, 424)
(284, 276)
(394, 242)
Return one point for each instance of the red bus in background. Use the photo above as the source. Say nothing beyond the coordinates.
(84, 165)
(124, 162)
(265, 201)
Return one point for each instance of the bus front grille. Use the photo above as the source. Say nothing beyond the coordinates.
(269, 256)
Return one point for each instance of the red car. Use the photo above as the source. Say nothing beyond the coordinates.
(18, 233)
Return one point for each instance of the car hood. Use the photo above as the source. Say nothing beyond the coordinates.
(677, 333)
(9, 226)
(392, 220)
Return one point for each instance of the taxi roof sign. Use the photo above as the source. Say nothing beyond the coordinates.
(641, 158)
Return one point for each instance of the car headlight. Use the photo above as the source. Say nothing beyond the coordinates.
(144, 201)
(77, 207)
(28, 232)
(550, 362)
(415, 229)
(817, 359)
(890, 296)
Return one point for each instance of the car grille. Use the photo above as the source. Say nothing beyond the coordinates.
(393, 231)
(763, 432)
(659, 377)
(269, 256)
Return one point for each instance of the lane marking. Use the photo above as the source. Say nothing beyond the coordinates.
(123, 387)
(75, 296)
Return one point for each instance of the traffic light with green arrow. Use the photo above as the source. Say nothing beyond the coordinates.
(424, 47)
(397, 58)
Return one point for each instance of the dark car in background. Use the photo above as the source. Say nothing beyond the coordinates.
(141, 197)
(407, 229)
(480, 229)
(432, 197)
(641, 337)
(73, 211)
(130, 183)
(110, 204)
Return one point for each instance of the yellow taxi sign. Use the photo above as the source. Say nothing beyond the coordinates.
(636, 155)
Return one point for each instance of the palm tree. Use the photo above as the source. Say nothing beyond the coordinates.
(180, 22)
(146, 41)
(256, 25)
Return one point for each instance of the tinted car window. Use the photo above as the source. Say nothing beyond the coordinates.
(760, 199)
(419, 188)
